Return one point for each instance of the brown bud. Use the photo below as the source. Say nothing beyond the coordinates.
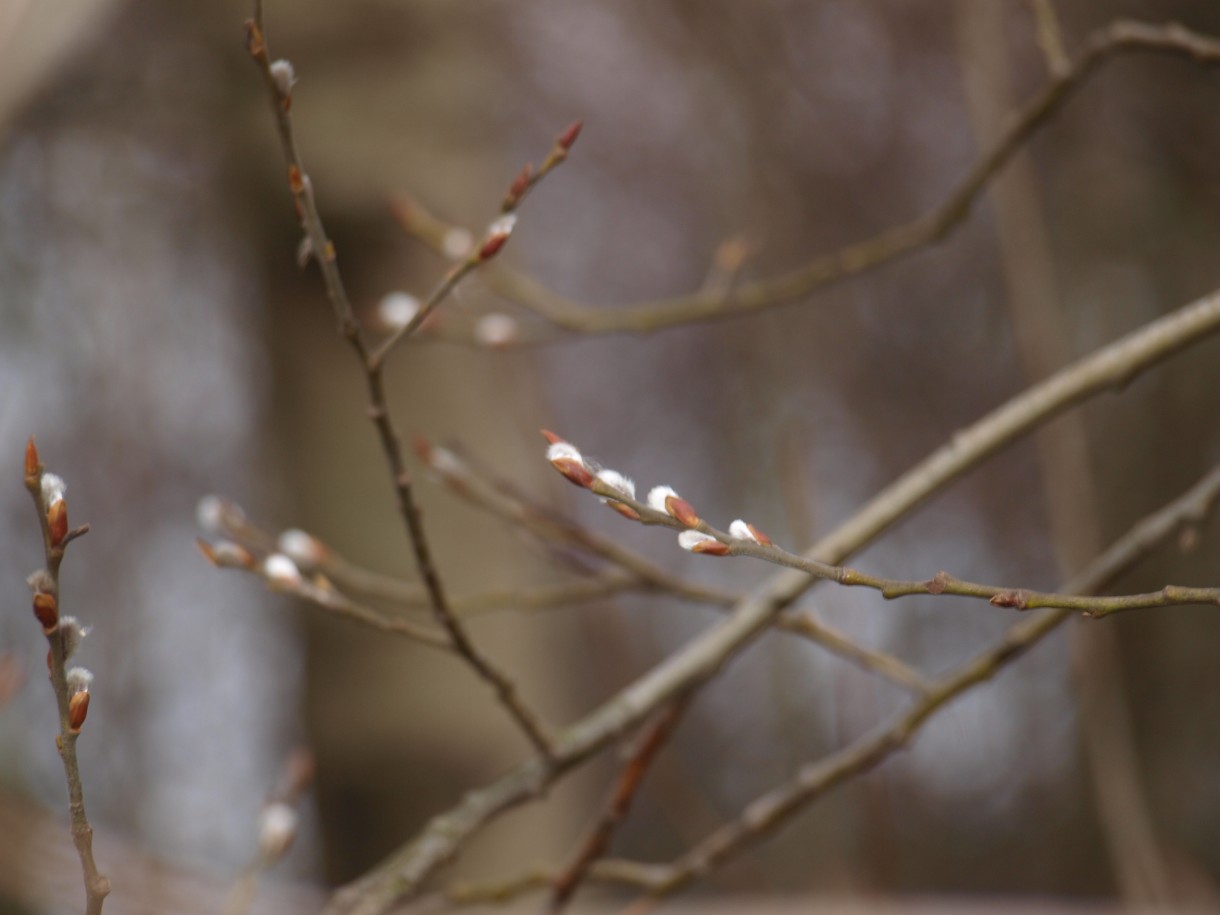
(625, 510)
(568, 137)
(226, 554)
(46, 610)
(759, 535)
(711, 548)
(31, 460)
(682, 510)
(1016, 599)
(296, 180)
(422, 447)
(57, 521)
(574, 470)
(493, 244)
(78, 709)
(517, 189)
(551, 437)
(936, 584)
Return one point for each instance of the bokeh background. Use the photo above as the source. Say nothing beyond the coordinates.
(162, 345)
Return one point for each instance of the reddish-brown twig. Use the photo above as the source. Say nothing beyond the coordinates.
(63, 634)
(618, 804)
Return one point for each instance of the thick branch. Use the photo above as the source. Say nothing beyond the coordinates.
(402, 874)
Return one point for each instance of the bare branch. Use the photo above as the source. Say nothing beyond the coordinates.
(63, 634)
(772, 809)
(1114, 40)
(372, 363)
(630, 778)
(402, 874)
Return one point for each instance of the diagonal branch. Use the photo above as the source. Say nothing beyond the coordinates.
(402, 874)
(771, 810)
(1114, 40)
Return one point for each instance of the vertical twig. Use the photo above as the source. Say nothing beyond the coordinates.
(1069, 490)
(63, 634)
(278, 76)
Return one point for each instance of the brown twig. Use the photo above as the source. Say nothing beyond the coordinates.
(1116, 39)
(402, 874)
(940, 584)
(617, 806)
(52, 519)
(771, 810)
(1069, 488)
(277, 828)
(372, 362)
(499, 497)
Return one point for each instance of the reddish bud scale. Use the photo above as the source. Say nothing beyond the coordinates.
(31, 460)
(423, 448)
(568, 137)
(57, 521)
(575, 471)
(46, 611)
(295, 180)
(625, 510)
(78, 710)
(711, 548)
(759, 535)
(493, 244)
(682, 510)
(255, 43)
(517, 189)
(551, 437)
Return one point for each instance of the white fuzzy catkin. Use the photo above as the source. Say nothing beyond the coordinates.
(657, 496)
(281, 570)
(688, 540)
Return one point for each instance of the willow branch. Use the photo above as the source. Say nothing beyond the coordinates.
(73, 708)
(372, 362)
(771, 810)
(402, 874)
(618, 806)
(1114, 40)
(504, 501)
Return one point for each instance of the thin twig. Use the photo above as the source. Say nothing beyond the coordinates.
(617, 806)
(1115, 39)
(1050, 38)
(942, 583)
(402, 874)
(97, 885)
(502, 499)
(373, 365)
(1069, 487)
(771, 810)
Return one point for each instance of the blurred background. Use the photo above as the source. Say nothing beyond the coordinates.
(162, 345)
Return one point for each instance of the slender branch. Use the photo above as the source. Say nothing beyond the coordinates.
(815, 779)
(496, 235)
(279, 89)
(402, 874)
(277, 828)
(1050, 37)
(618, 805)
(1116, 39)
(60, 631)
(771, 810)
(502, 500)
(322, 595)
(941, 583)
